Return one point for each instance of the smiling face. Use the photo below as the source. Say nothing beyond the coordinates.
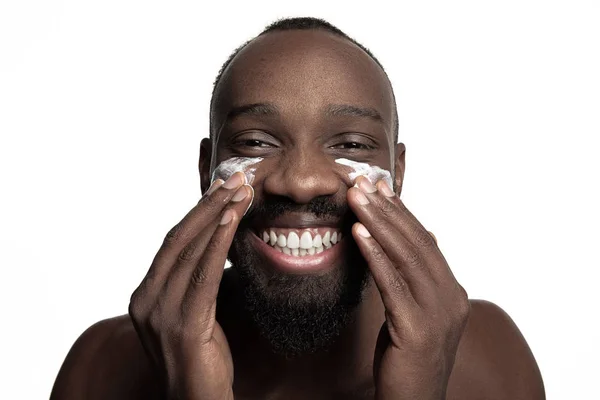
(301, 99)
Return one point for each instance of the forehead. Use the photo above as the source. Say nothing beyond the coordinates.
(302, 72)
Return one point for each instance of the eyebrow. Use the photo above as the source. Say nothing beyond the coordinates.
(257, 109)
(270, 110)
(347, 110)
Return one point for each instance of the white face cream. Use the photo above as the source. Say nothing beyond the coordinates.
(247, 165)
(236, 164)
(373, 172)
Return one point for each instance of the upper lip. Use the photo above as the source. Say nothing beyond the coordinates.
(299, 221)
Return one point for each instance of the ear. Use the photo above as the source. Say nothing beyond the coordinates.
(399, 167)
(204, 164)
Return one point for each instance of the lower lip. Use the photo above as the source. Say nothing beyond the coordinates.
(299, 265)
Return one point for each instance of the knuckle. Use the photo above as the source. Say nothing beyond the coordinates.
(136, 305)
(214, 246)
(173, 235)
(423, 238)
(377, 255)
(388, 209)
(199, 276)
(188, 253)
(398, 284)
(412, 257)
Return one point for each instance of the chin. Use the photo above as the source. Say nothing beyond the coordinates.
(299, 303)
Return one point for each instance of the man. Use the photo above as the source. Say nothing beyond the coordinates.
(374, 312)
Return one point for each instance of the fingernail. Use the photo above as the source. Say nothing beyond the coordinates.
(362, 231)
(215, 185)
(251, 200)
(385, 189)
(361, 198)
(236, 180)
(366, 186)
(240, 195)
(226, 217)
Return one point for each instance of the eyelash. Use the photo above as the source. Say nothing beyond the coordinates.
(353, 145)
(248, 141)
(358, 146)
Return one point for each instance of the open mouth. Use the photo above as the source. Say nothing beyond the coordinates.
(300, 250)
(300, 243)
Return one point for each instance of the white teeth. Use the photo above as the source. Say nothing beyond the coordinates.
(306, 241)
(317, 241)
(326, 239)
(281, 241)
(301, 245)
(293, 241)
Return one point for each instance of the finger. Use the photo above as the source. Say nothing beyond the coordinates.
(209, 208)
(199, 301)
(406, 222)
(395, 291)
(191, 256)
(406, 257)
(410, 226)
(393, 219)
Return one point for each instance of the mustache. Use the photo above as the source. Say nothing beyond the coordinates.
(272, 206)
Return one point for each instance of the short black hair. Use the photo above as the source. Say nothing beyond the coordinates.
(299, 23)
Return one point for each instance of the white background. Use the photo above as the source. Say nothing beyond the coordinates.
(103, 105)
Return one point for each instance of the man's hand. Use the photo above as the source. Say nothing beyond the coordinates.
(426, 308)
(173, 310)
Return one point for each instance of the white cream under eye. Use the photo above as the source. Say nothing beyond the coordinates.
(373, 172)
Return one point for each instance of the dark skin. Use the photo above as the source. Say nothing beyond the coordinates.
(415, 334)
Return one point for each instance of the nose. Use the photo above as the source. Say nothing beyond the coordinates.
(302, 175)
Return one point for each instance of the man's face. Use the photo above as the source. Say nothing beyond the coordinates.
(301, 100)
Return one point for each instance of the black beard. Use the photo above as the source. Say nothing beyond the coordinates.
(299, 314)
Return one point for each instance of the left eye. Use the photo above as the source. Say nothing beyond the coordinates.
(254, 143)
(351, 145)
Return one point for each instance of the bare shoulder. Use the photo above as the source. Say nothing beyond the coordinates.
(106, 361)
(493, 360)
